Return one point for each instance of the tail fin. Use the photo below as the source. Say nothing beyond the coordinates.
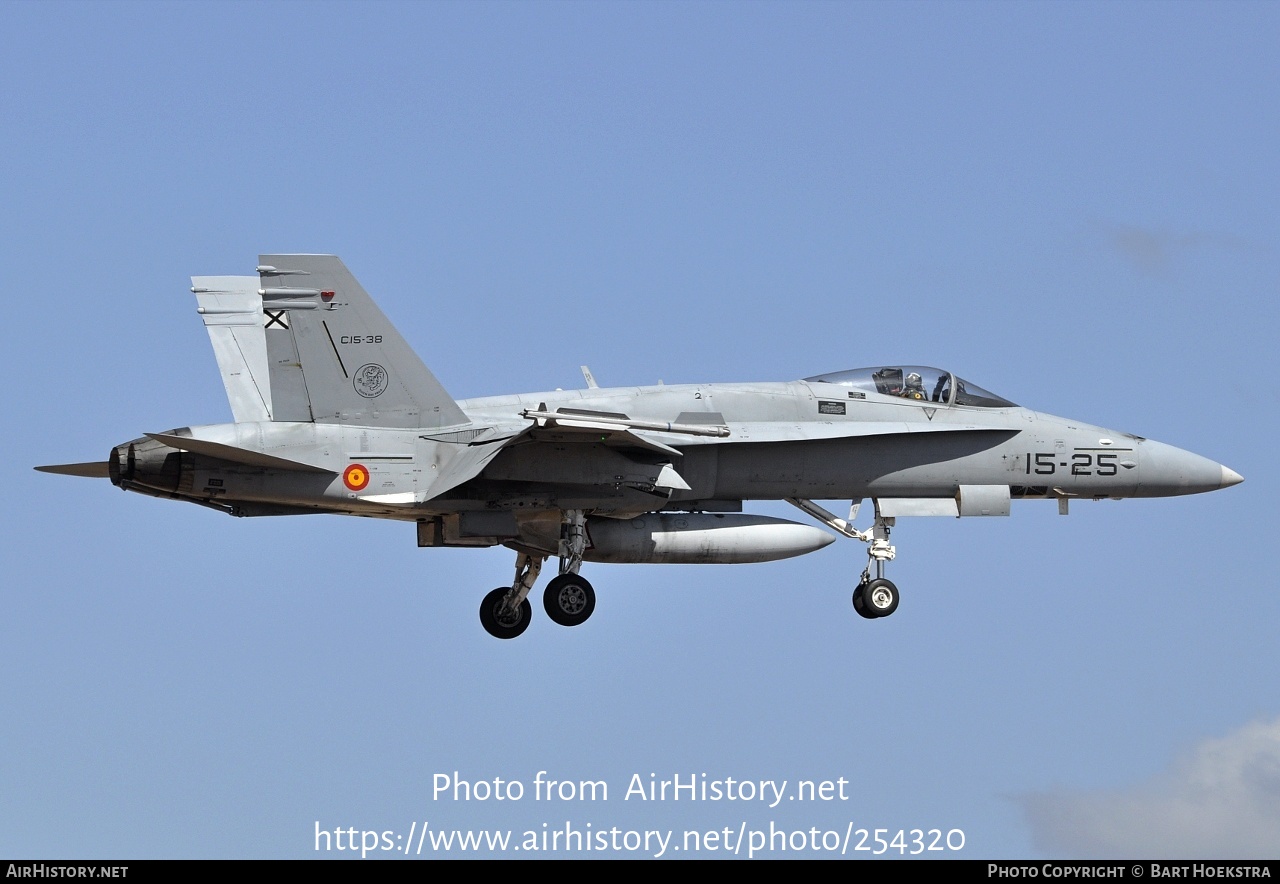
(232, 312)
(349, 363)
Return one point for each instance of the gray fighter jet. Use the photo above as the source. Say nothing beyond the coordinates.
(334, 413)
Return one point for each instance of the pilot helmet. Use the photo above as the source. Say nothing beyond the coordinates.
(914, 379)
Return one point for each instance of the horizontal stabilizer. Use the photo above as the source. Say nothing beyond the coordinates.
(87, 470)
(233, 454)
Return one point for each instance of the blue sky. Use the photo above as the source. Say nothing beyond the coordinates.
(1073, 205)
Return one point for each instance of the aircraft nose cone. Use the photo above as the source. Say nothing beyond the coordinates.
(1168, 471)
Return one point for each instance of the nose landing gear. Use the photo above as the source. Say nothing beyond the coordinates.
(876, 596)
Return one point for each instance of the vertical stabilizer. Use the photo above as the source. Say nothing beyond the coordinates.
(355, 367)
(232, 312)
(289, 399)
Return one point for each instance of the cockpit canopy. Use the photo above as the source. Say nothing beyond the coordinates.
(915, 382)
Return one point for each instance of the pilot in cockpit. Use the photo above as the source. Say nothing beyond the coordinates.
(914, 387)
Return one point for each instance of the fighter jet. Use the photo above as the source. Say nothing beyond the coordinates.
(335, 413)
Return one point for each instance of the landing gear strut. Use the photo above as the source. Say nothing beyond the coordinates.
(506, 612)
(875, 596)
(569, 599)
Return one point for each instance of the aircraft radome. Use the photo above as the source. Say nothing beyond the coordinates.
(334, 413)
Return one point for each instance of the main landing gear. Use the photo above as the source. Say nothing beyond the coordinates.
(876, 596)
(506, 612)
(568, 599)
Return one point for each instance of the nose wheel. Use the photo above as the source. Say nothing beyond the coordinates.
(875, 598)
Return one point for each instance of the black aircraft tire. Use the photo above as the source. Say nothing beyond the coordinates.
(881, 597)
(859, 605)
(511, 625)
(569, 599)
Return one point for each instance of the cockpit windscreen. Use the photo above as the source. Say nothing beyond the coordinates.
(917, 383)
